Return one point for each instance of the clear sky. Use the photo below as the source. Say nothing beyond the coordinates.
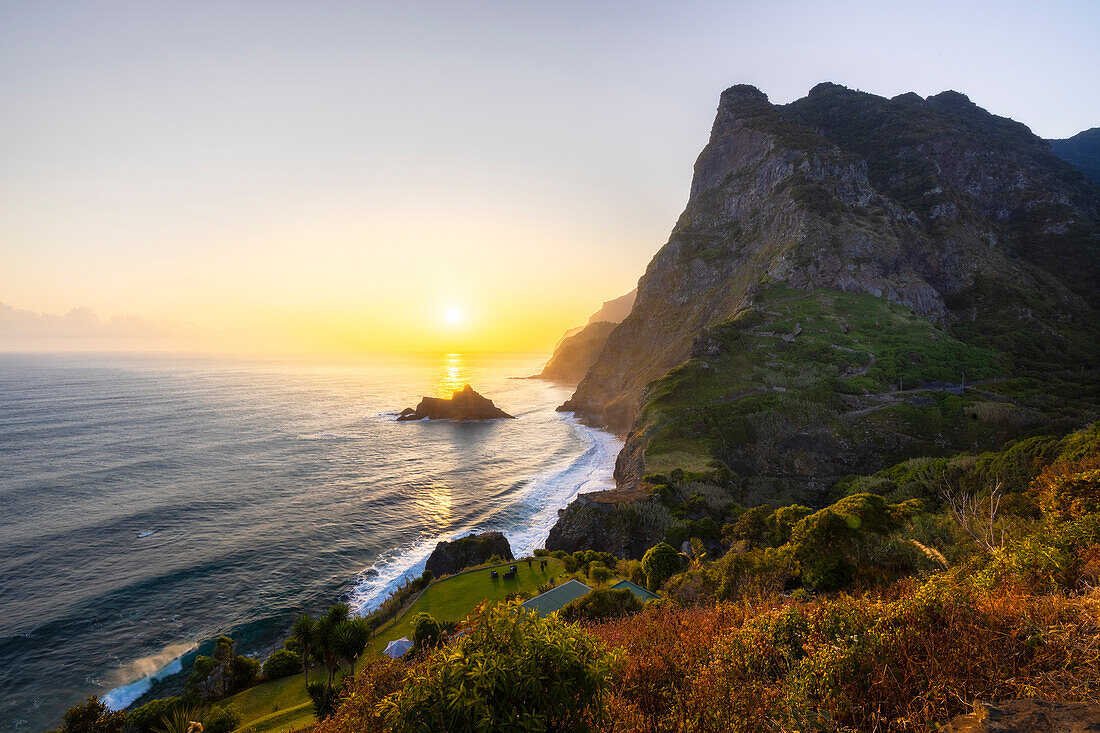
(337, 176)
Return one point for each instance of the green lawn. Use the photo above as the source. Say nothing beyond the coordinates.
(451, 599)
(283, 704)
(279, 705)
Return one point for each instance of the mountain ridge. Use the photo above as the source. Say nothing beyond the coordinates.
(836, 254)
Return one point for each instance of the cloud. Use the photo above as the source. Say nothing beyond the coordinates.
(83, 323)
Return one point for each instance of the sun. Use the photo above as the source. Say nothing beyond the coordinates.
(453, 315)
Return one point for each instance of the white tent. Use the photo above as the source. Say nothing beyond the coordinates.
(398, 647)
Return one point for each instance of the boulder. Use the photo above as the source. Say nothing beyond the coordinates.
(465, 404)
(449, 558)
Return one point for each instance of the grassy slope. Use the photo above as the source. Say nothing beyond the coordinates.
(283, 704)
(799, 361)
(453, 598)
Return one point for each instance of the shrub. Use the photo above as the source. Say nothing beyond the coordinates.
(282, 663)
(601, 604)
(324, 697)
(92, 716)
(659, 563)
(513, 671)
(151, 714)
(427, 632)
(1070, 489)
(244, 672)
(359, 711)
(221, 720)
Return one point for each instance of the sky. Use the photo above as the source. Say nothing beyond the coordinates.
(340, 177)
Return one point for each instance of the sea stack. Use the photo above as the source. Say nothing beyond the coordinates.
(465, 404)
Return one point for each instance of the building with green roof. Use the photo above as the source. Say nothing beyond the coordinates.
(642, 593)
(553, 599)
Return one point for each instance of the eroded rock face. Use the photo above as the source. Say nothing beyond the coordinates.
(575, 354)
(1028, 716)
(465, 404)
(449, 558)
(934, 204)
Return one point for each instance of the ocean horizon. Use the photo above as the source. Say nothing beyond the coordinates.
(149, 503)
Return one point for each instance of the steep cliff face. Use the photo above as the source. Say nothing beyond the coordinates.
(855, 281)
(1082, 151)
(966, 219)
(578, 349)
(577, 352)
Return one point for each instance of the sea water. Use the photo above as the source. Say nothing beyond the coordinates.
(148, 504)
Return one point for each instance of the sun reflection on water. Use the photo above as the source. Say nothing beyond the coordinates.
(453, 376)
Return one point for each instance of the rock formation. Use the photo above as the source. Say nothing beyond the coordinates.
(837, 253)
(578, 349)
(465, 404)
(449, 558)
(575, 354)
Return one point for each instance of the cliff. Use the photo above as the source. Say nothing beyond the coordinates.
(1082, 151)
(578, 349)
(576, 353)
(846, 268)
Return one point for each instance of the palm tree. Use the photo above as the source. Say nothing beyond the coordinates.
(305, 629)
(327, 639)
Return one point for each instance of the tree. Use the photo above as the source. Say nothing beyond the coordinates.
(330, 641)
(305, 628)
(659, 564)
(92, 716)
(599, 572)
(223, 657)
(512, 671)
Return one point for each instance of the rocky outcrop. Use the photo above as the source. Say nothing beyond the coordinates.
(465, 404)
(831, 251)
(1082, 151)
(449, 558)
(578, 349)
(575, 354)
(919, 201)
(616, 309)
(588, 524)
(1028, 716)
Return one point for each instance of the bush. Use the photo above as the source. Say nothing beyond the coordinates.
(325, 699)
(427, 632)
(601, 604)
(659, 563)
(221, 720)
(1070, 489)
(244, 672)
(92, 716)
(513, 671)
(282, 663)
(152, 714)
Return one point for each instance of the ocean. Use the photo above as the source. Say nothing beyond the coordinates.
(150, 503)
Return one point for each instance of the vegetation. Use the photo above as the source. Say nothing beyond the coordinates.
(601, 604)
(513, 669)
(877, 612)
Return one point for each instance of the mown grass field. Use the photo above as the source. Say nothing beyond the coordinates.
(451, 599)
(283, 704)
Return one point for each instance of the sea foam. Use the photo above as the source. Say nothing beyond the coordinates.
(164, 663)
(540, 501)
